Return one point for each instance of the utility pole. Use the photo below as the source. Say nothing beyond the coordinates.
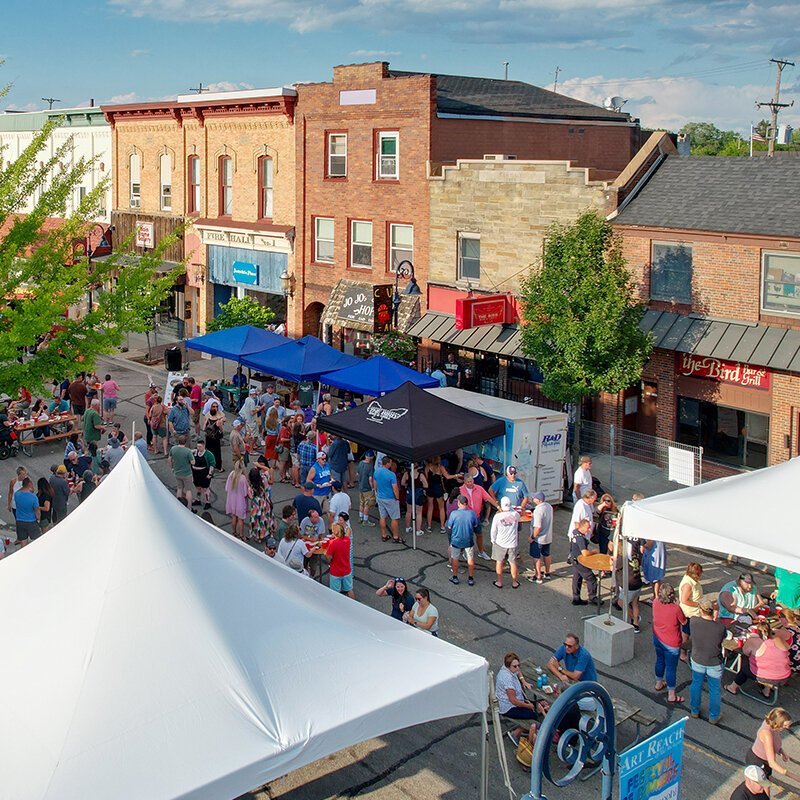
(505, 70)
(775, 106)
(555, 79)
(50, 101)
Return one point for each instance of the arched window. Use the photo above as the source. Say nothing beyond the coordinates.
(225, 186)
(265, 187)
(136, 177)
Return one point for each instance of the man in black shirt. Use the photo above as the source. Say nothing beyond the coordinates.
(579, 546)
(755, 784)
(306, 502)
(452, 370)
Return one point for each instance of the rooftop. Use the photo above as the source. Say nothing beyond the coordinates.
(491, 97)
(723, 194)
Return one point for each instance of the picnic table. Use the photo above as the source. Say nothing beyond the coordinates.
(60, 426)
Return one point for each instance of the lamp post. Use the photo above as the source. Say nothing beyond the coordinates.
(405, 269)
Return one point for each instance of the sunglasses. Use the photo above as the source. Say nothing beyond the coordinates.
(515, 665)
(570, 645)
(512, 472)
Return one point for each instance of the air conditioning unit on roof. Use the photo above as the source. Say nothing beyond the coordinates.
(499, 157)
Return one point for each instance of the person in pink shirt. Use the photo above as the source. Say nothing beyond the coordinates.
(196, 397)
(476, 497)
(110, 389)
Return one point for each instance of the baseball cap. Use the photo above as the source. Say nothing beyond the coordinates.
(756, 774)
(706, 606)
(237, 423)
(308, 485)
(61, 470)
(271, 542)
(538, 496)
(369, 454)
(337, 485)
(253, 391)
(511, 468)
(746, 577)
(113, 441)
(321, 453)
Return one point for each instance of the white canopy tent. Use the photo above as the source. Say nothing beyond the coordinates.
(744, 515)
(147, 654)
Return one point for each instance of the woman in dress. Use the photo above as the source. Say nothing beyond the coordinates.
(768, 745)
(423, 614)
(283, 449)
(213, 427)
(202, 472)
(259, 506)
(271, 425)
(436, 476)
(402, 600)
(238, 491)
(157, 415)
(44, 492)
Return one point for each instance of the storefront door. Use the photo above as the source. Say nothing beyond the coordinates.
(648, 409)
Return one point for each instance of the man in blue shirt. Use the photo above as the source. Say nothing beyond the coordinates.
(388, 497)
(439, 375)
(461, 526)
(511, 487)
(578, 661)
(27, 513)
(338, 451)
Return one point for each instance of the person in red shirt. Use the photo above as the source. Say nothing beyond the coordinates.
(196, 397)
(338, 553)
(667, 621)
(476, 497)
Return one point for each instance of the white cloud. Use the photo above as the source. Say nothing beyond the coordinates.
(139, 53)
(26, 107)
(226, 86)
(374, 53)
(122, 99)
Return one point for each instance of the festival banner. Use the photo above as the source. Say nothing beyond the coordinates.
(651, 770)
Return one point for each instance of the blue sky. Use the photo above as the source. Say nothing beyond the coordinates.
(675, 61)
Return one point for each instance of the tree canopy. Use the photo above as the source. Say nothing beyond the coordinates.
(47, 330)
(580, 314)
(708, 140)
(241, 311)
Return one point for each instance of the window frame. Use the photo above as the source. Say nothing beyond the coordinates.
(390, 249)
(162, 186)
(765, 310)
(193, 188)
(135, 197)
(224, 188)
(315, 233)
(378, 176)
(471, 236)
(352, 243)
(266, 190)
(671, 243)
(328, 155)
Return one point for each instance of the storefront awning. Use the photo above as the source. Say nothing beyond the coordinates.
(500, 340)
(729, 340)
(351, 306)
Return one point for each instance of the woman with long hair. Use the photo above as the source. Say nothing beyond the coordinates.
(790, 632)
(298, 435)
(283, 449)
(213, 426)
(402, 600)
(418, 501)
(259, 506)
(668, 620)
(768, 745)
(424, 615)
(690, 592)
(272, 423)
(436, 475)
(238, 491)
(606, 522)
(45, 493)
(157, 416)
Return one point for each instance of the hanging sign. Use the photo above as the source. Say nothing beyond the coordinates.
(382, 308)
(472, 312)
(145, 235)
(356, 305)
(723, 371)
(244, 272)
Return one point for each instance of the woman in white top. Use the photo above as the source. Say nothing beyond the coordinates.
(423, 614)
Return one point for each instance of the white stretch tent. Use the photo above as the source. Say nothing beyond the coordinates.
(147, 654)
(745, 515)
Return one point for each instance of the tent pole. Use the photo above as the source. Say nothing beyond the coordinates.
(413, 511)
(484, 756)
(223, 370)
(624, 587)
(316, 408)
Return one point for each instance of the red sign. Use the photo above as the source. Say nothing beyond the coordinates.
(724, 371)
(490, 310)
(382, 308)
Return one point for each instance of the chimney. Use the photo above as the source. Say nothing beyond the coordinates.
(684, 144)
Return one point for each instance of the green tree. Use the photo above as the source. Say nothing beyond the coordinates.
(241, 311)
(708, 140)
(398, 346)
(44, 274)
(580, 314)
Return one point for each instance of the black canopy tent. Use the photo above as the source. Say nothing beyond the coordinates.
(412, 424)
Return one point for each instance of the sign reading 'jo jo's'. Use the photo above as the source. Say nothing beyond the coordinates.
(724, 371)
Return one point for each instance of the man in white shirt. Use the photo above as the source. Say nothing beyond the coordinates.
(505, 542)
(583, 509)
(249, 413)
(541, 537)
(583, 478)
(339, 503)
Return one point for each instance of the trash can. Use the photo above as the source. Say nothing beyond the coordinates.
(173, 359)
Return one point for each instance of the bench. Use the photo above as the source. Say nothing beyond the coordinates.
(53, 437)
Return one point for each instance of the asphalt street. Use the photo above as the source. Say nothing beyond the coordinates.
(440, 760)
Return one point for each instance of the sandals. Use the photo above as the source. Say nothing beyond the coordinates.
(385, 538)
(730, 691)
(515, 585)
(498, 585)
(677, 701)
(661, 687)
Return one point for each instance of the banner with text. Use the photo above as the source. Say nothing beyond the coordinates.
(652, 770)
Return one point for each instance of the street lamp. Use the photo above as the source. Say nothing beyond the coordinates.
(405, 269)
(287, 283)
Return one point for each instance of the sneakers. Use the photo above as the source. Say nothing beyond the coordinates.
(539, 580)
(408, 529)
(207, 506)
(484, 556)
(369, 523)
(454, 579)
(580, 602)
(547, 576)
(470, 581)
(420, 533)
(514, 739)
(637, 629)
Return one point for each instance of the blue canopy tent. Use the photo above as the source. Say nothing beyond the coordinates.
(376, 376)
(301, 360)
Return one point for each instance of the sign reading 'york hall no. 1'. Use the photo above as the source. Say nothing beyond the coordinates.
(724, 371)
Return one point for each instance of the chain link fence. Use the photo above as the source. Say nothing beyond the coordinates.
(626, 462)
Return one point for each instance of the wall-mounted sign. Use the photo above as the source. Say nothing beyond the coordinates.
(244, 272)
(716, 369)
(382, 308)
(356, 305)
(490, 310)
(145, 234)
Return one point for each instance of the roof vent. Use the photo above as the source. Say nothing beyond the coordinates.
(499, 157)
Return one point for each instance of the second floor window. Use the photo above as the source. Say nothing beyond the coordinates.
(323, 240)
(388, 166)
(469, 257)
(193, 199)
(401, 245)
(165, 166)
(135, 180)
(225, 186)
(361, 244)
(265, 187)
(671, 272)
(781, 283)
(337, 155)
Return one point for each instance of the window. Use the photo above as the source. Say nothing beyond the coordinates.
(469, 257)
(337, 155)
(265, 187)
(725, 434)
(781, 283)
(136, 177)
(165, 167)
(401, 245)
(225, 186)
(361, 244)
(193, 199)
(323, 240)
(82, 192)
(671, 272)
(388, 166)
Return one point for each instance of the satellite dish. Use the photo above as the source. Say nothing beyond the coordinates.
(614, 103)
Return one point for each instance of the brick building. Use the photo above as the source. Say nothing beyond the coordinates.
(366, 145)
(225, 163)
(714, 244)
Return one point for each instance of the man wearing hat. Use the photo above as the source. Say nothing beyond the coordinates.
(738, 597)
(320, 476)
(270, 547)
(755, 784)
(58, 482)
(541, 537)
(113, 453)
(511, 487)
(238, 450)
(249, 413)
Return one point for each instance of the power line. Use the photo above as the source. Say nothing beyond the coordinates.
(773, 105)
(50, 101)
(555, 78)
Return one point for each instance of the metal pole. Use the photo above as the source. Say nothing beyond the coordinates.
(611, 450)
(414, 513)
(624, 586)
(484, 756)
